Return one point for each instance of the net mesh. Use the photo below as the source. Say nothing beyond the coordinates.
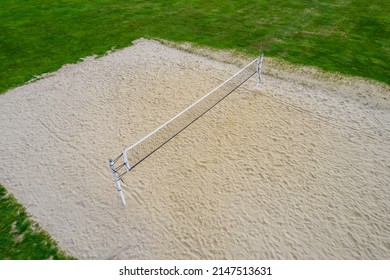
(152, 142)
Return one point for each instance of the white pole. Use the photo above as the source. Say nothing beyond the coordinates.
(117, 181)
(126, 161)
(259, 66)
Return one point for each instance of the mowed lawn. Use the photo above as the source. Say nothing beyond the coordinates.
(352, 37)
(39, 36)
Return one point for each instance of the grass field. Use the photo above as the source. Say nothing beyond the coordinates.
(20, 237)
(38, 36)
(351, 37)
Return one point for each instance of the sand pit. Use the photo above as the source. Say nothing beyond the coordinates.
(298, 168)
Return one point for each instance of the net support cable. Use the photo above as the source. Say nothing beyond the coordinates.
(146, 146)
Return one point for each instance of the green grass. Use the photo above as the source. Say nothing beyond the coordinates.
(351, 37)
(22, 238)
(39, 36)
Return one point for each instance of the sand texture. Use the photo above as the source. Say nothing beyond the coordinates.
(298, 168)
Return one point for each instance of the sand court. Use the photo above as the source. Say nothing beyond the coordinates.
(296, 168)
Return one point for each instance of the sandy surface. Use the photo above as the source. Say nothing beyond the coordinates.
(298, 168)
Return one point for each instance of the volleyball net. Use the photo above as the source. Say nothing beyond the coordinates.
(142, 149)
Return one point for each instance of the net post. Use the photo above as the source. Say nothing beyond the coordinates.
(259, 68)
(117, 181)
(126, 161)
